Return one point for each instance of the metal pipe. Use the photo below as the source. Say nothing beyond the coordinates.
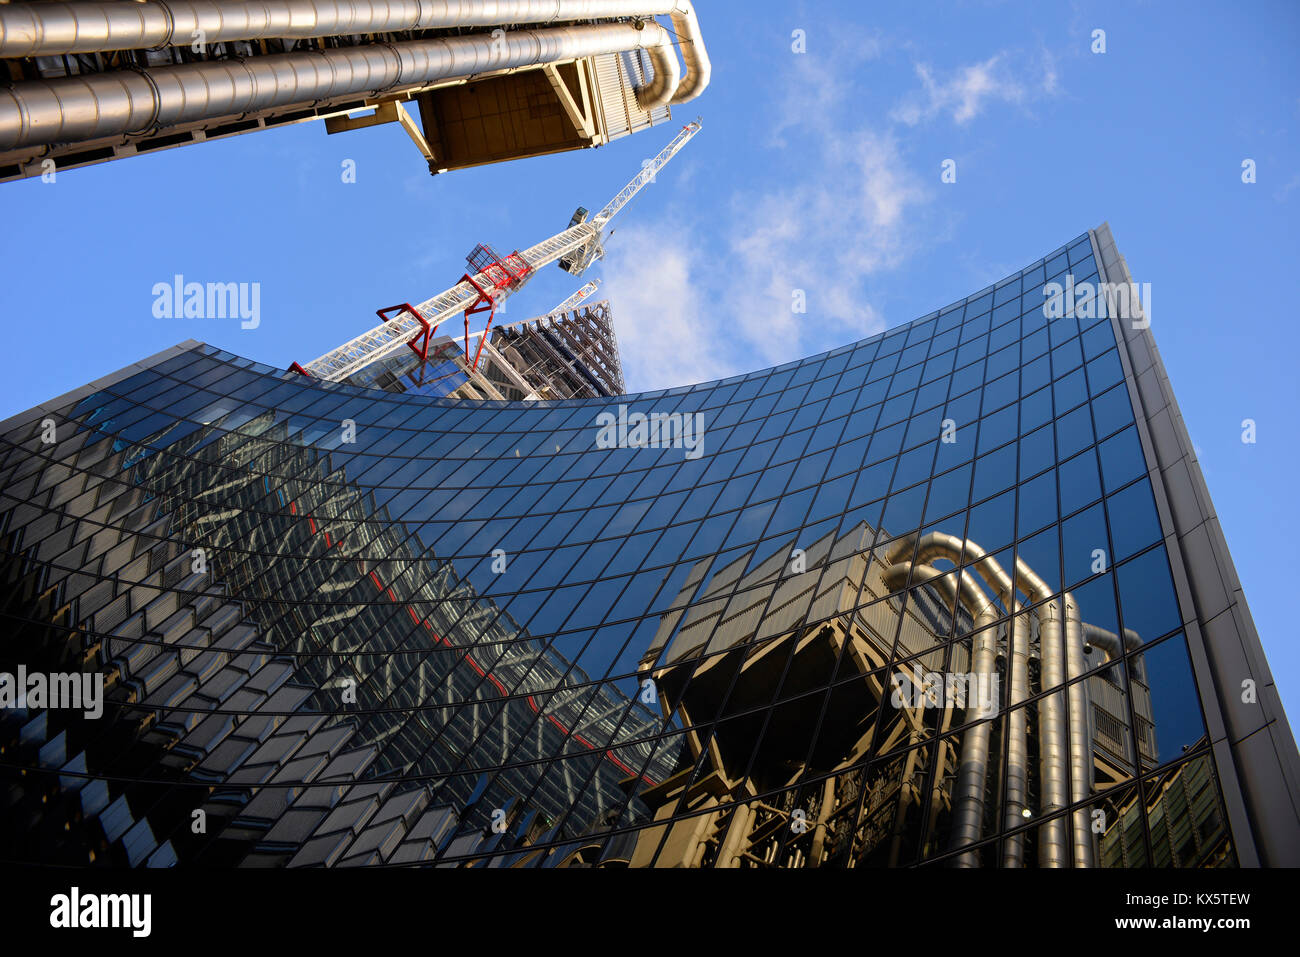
(694, 55)
(1108, 642)
(663, 84)
(51, 29)
(1081, 763)
(1017, 796)
(972, 771)
(1053, 739)
(1053, 843)
(73, 109)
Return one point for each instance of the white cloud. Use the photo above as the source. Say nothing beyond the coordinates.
(963, 95)
(696, 300)
(708, 300)
(666, 330)
(817, 84)
(968, 90)
(847, 220)
(1051, 82)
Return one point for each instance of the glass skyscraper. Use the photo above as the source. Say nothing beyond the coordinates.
(954, 595)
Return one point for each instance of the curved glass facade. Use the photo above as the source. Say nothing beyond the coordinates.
(907, 602)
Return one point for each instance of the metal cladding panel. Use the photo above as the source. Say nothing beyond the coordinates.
(617, 77)
(1252, 738)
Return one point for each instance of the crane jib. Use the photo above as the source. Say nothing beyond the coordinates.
(579, 243)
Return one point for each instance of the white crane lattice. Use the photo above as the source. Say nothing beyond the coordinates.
(580, 245)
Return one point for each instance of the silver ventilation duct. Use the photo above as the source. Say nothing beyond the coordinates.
(698, 68)
(72, 109)
(1065, 760)
(86, 107)
(1017, 783)
(51, 29)
(972, 771)
(1109, 644)
(1081, 764)
(663, 84)
(1053, 845)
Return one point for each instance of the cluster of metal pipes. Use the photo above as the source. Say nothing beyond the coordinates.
(92, 106)
(1065, 756)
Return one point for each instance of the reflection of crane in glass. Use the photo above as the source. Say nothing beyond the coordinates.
(492, 278)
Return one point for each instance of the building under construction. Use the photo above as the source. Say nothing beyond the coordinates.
(489, 81)
(570, 353)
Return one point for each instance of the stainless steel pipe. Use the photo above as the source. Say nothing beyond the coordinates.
(79, 108)
(51, 29)
(1065, 749)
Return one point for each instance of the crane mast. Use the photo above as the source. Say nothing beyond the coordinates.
(579, 245)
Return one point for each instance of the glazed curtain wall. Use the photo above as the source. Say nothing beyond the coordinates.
(705, 659)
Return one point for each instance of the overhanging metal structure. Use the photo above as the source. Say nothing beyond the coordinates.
(494, 80)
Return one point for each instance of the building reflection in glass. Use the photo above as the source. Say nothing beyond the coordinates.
(911, 606)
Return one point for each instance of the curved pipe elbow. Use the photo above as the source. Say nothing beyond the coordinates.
(667, 74)
(699, 69)
(956, 585)
(1108, 641)
(1109, 645)
(1032, 585)
(897, 576)
(668, 85)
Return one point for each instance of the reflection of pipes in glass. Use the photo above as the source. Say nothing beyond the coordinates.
(1108, 643)
(973, 770)
(1064, 739)
(972, 776)
(1081, 763)
(1053, 849)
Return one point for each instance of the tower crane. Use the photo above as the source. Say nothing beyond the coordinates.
(490, 280)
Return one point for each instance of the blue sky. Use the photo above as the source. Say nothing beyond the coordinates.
(817, 171)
